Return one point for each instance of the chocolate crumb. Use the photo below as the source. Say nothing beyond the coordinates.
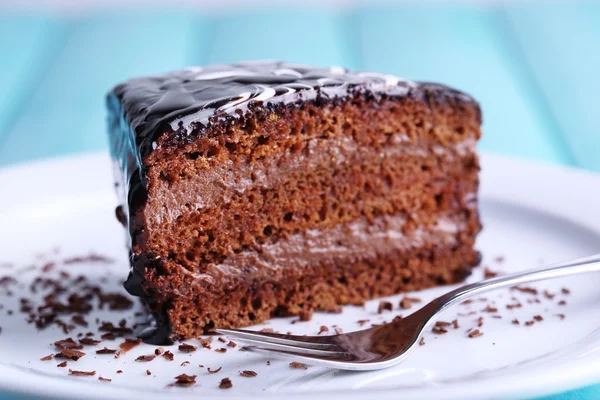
(488, 273)
(529, 323)
(222, 339)
(560, 316)
(62, 364)
(524, 289)
(248, 374)
(439, 331)
(214, 371)
(384, 306)
(360, 322)
(516, 305)
(225, 383)
(475, 333)
(68, 343)
(515, 321)
(323, 329)
(106, 350)
(565, 291)
(490, 309)
(442, 324)
(455, 324)
(268, 363)
(231, 344)
(148, 372)
(538, 318)
(108, 336)
(422, 342)
(120, 371)
(71, 354)
(146, 358)
(81, 373)
(129, 344)
(185, 380)
(466, 302)
(88, 341)
(187, 348)
(562, 303)
(47, 358)
(548, 295)
(298, 365)
(221, 350)
(158, 351)
(168, 355)
(183, 364)
(480, 322)
(104, 379)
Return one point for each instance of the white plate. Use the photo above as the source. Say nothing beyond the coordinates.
(532, 213)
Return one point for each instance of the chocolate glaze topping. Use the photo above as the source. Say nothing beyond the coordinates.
(183, 104)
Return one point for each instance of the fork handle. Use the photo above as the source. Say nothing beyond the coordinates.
(578, 266)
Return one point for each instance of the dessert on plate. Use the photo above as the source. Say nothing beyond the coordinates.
(267, 189)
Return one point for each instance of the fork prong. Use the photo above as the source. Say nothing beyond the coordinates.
(284, 348)
(289, 340)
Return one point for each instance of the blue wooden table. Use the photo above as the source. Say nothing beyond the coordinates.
(534, 67)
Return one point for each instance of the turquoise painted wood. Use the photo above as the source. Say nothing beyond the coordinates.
(28, 44)
(561, 45)
(460, 47)
(533, 67)
(281, 35)
(66, 112)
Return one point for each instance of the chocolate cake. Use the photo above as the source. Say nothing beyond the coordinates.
(267, 189)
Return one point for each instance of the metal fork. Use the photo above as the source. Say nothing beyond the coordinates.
(387, 345)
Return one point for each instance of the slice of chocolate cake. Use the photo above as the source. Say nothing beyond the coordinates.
(267, 189)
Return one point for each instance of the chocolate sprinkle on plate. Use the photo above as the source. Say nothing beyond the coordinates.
(538, 318)
(81, 373)
(48, 357)
(475, 333)
(148, 372)
(515, 321)
(106, 350)
(560, 316)
(187, 348)
(439, 331)
(146, 358)
(384, 306)
(225, 383)
(298, 365)
(529, 323)
(183, 364)
(185, 380)
(88, 341)
(248, 374)
(221, 350)
(158, 351)
(168, 355)
(222, 339)
(214, 371)
(62, 364)
(104, 379)
(71, 354)
(422, 342)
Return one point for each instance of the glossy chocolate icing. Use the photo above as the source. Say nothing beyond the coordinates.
(182, 106)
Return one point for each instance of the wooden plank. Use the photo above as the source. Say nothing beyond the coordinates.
(294, 35)
(560, 42)
(27, 45)
(66, 113)
(459, 46)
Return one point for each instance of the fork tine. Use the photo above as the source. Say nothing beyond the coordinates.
(263, 337)
(284, 348)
